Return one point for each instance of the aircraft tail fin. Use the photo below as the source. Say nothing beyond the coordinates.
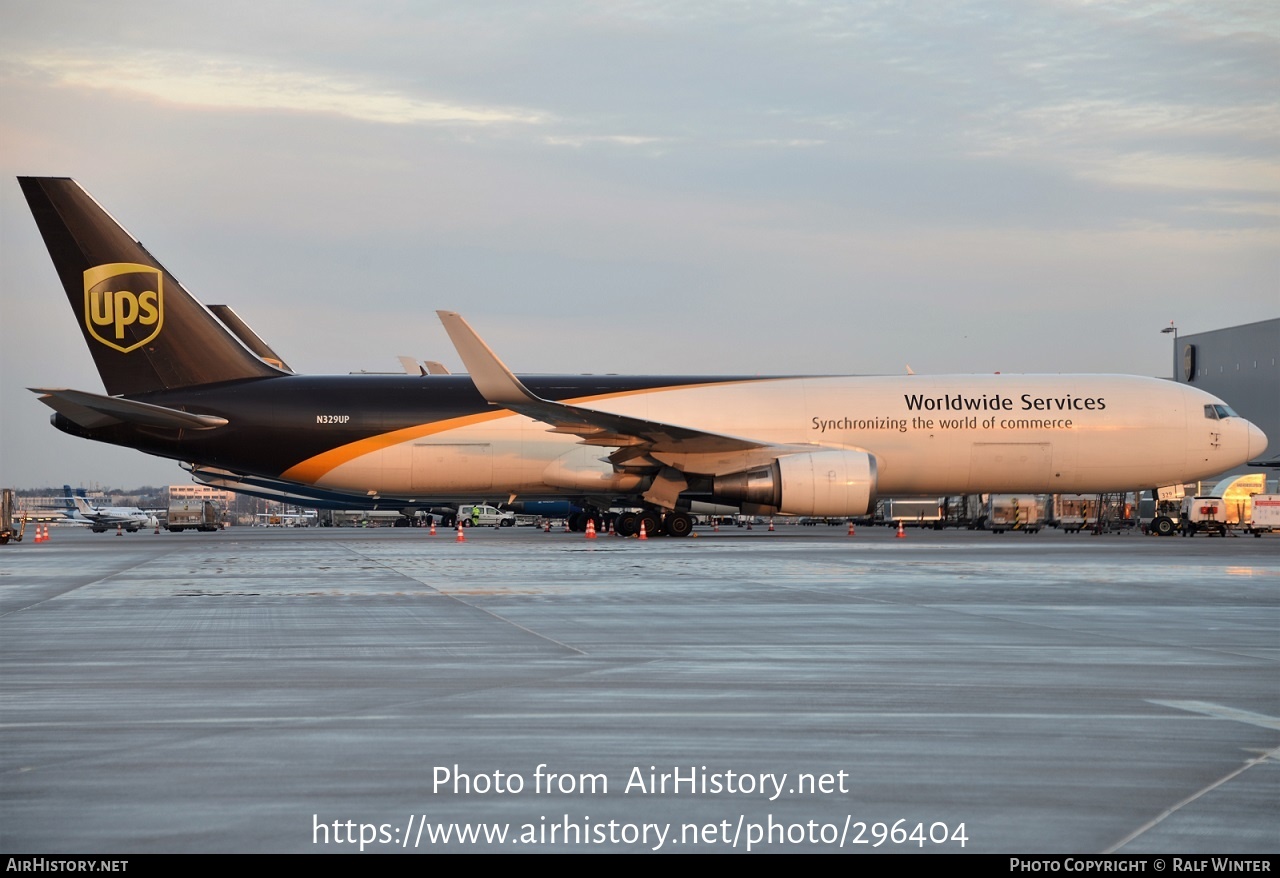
(231, 320)
(144, 330)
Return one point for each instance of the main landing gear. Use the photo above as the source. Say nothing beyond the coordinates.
(627, 524)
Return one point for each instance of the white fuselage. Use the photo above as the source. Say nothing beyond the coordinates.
(954, 434)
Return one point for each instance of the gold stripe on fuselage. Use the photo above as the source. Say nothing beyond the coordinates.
(313, 469)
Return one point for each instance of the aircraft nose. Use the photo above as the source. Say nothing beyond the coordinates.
(1257, 441)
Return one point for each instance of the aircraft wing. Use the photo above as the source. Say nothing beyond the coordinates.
(502, 388)
(39, 515)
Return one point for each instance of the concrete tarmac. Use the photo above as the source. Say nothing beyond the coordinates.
(267, 690)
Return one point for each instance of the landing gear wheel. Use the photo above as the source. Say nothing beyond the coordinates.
(652, 524)
(628, 524)
(1163, 526)
(678, 524)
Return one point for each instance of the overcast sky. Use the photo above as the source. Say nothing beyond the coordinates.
(681, 187)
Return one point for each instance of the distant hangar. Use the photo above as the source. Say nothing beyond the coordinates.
(1240, 365)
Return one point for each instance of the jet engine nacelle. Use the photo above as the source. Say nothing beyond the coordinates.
(835, 483)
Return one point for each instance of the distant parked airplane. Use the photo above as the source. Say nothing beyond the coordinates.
(99, 518)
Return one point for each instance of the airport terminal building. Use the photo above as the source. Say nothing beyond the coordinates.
(1239, 365)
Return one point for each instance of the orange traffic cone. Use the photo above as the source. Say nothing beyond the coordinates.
(432, 532)
(119, 531)
(591, 528)
(46, 533)
(850, 528)
(643, 535)
(462, 538)
(771, 524)
(566, 525)
(612, 532)
(715, 525)
(901, 533)
(546, 525)
(39, 538)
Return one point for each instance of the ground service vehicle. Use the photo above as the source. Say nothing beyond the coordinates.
(1203, 515)
(202, 515)
(1023, 512)
(7, 511)
(919, 512)
(484, 515)
(180, 384)
(1266, 514)
(1072, 512)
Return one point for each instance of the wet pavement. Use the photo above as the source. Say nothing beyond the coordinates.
(269, 690)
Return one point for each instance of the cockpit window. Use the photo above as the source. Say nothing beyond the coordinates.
(1218, 412)
(1211, 412)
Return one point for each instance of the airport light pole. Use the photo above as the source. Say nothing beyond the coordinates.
(1168, 329)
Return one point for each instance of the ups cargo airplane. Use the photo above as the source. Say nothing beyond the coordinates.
(185, 385)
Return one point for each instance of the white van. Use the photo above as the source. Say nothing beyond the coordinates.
(484, 515)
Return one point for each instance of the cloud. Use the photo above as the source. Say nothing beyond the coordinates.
(710, 177)
(606, 139)
(1211, 173)
(1169, 146)
(223, 83)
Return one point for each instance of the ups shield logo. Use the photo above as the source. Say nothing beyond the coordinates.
(123, 304)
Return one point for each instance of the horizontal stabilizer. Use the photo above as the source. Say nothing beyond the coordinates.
(92, 410)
